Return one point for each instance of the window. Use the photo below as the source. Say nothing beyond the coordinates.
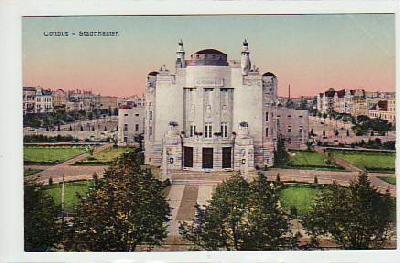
(137, 127)
(266, 132)
(125, 139)
(150, 115)
(289, 129)
(266, 116)
(300, 116)
(301, 130)
(192, 130)
(126, 114)
(125, 127)
(137, 114)
(208, 130)
(289, 116)
(224, 129)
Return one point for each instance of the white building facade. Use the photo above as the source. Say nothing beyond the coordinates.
(212, 114)
(130, 125)
(43, 101)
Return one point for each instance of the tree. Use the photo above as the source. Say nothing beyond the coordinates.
(122, 211)
(90, 115)
(240, 216)
(281, 156)
(268, 227)
(357, 217)
(330, 158)
(41, 227)
(303, 104)
(310, 145)
(221, 223)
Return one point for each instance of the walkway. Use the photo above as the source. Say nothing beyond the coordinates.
(189, 188)
(69, 170)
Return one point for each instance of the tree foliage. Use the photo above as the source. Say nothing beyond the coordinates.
(240, 216)
(357, 217)
(42, 229)
(281, 156)
(122, 211)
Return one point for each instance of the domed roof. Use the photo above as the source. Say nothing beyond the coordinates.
(209, 51)
(269, 74)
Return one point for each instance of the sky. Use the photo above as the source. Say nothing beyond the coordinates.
(312, 53)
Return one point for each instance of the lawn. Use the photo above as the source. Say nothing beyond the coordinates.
(50, 155)
(70, 198)
(105, 157)
(373, 162)
(388, 179)
(302, 196)
(310, 160)
(299, 196)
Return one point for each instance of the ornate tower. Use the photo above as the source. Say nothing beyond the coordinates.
(245, 58)
(180, 55)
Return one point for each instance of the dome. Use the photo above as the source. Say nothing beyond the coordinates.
(208, 57)
(269, 74)
(209, 51)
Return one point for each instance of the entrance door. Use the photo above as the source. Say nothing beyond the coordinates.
(227, 157)
(208, 158)
(188, 156)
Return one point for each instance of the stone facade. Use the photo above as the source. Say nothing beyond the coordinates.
(29, 99)
(384, 109)
(43, 101)
(213, 114)
(130, 125)
(354, 102)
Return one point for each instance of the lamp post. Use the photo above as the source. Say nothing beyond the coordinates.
(62, 202)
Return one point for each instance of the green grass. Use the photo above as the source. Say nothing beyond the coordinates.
(105, 157)
(29, 172)
(310, 160)
(302, 196)
(388, 179)
(299, 196)
(70, 198)
(50, 155)
(373, 162)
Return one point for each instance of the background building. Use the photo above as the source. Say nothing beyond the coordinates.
(59, 100)
(130, 124)
(43, 101)
(29, 99)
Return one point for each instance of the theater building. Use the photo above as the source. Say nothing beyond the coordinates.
(215, 114)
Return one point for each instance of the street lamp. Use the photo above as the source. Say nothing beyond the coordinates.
(62, 202)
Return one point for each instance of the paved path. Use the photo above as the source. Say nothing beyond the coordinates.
(189, 188)
(286, 175)
(69, 170)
